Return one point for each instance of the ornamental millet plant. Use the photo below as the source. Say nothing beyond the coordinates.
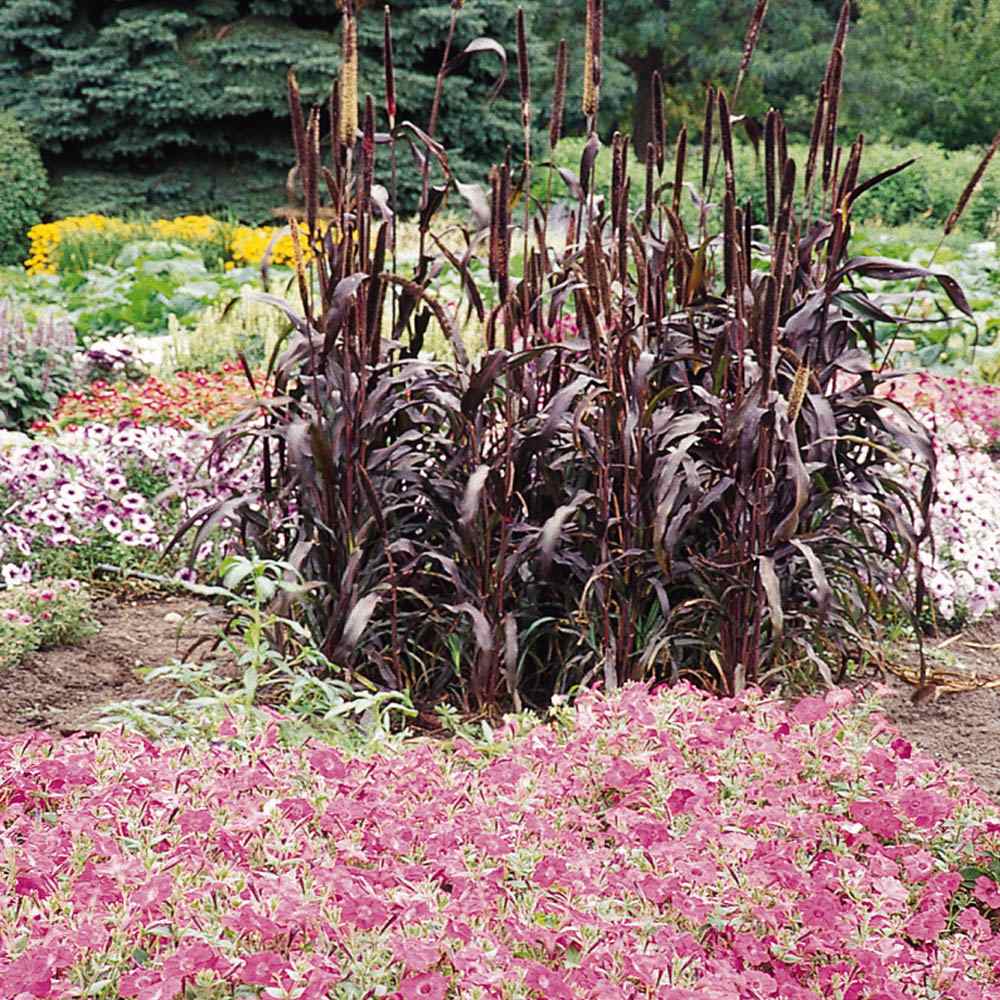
(676, 491)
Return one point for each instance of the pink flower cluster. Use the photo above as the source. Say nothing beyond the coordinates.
(954, 402)
(963, 573)
(667, 846)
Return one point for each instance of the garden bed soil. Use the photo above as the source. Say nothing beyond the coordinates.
(961, 728)
(64, 690)
(956, 714)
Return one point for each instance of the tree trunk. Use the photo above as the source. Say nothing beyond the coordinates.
(642, 108)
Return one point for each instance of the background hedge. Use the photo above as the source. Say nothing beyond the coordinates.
(925, 192)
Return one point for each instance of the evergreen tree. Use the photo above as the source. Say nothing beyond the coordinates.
(193, 96)
(925, 69)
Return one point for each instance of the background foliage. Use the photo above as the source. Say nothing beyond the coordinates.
(694, 43)
(22, 188)
(926, 191)
(923, 69)
(191, 100)
(926, 70)
(150, 106)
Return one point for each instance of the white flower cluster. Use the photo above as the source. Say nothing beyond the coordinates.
(962, 574)
(963, 571)
(73, 490)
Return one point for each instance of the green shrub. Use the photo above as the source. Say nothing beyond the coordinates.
(184, 187)
(23, 184)
(149, 282)
(924, 193)
(81, 191)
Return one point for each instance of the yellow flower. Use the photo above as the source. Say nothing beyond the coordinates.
(45, 238)
(248, 246)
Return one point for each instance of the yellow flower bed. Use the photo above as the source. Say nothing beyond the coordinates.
(46, 237)
(246, 245)
(196, 228)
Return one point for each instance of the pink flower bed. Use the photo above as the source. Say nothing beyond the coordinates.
(664, 846)
(951, 405)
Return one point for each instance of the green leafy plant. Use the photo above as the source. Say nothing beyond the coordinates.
(936, 336)
(130, 241)
(223, 332)
(140, 295)
(43, 614)
(36, 366)
(23, 185)
(263, 658)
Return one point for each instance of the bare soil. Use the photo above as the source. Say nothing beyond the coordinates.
(955, 715)
(962, 728)
(65, 689)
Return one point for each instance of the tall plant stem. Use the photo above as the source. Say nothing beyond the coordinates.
(439, 82)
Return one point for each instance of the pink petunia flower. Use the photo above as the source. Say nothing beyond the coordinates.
(263, 968)
(810, 710)
(986, 891)
(549, 984)
(926, 925)
(424, 986)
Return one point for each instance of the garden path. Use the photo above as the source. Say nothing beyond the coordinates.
(957, 716)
